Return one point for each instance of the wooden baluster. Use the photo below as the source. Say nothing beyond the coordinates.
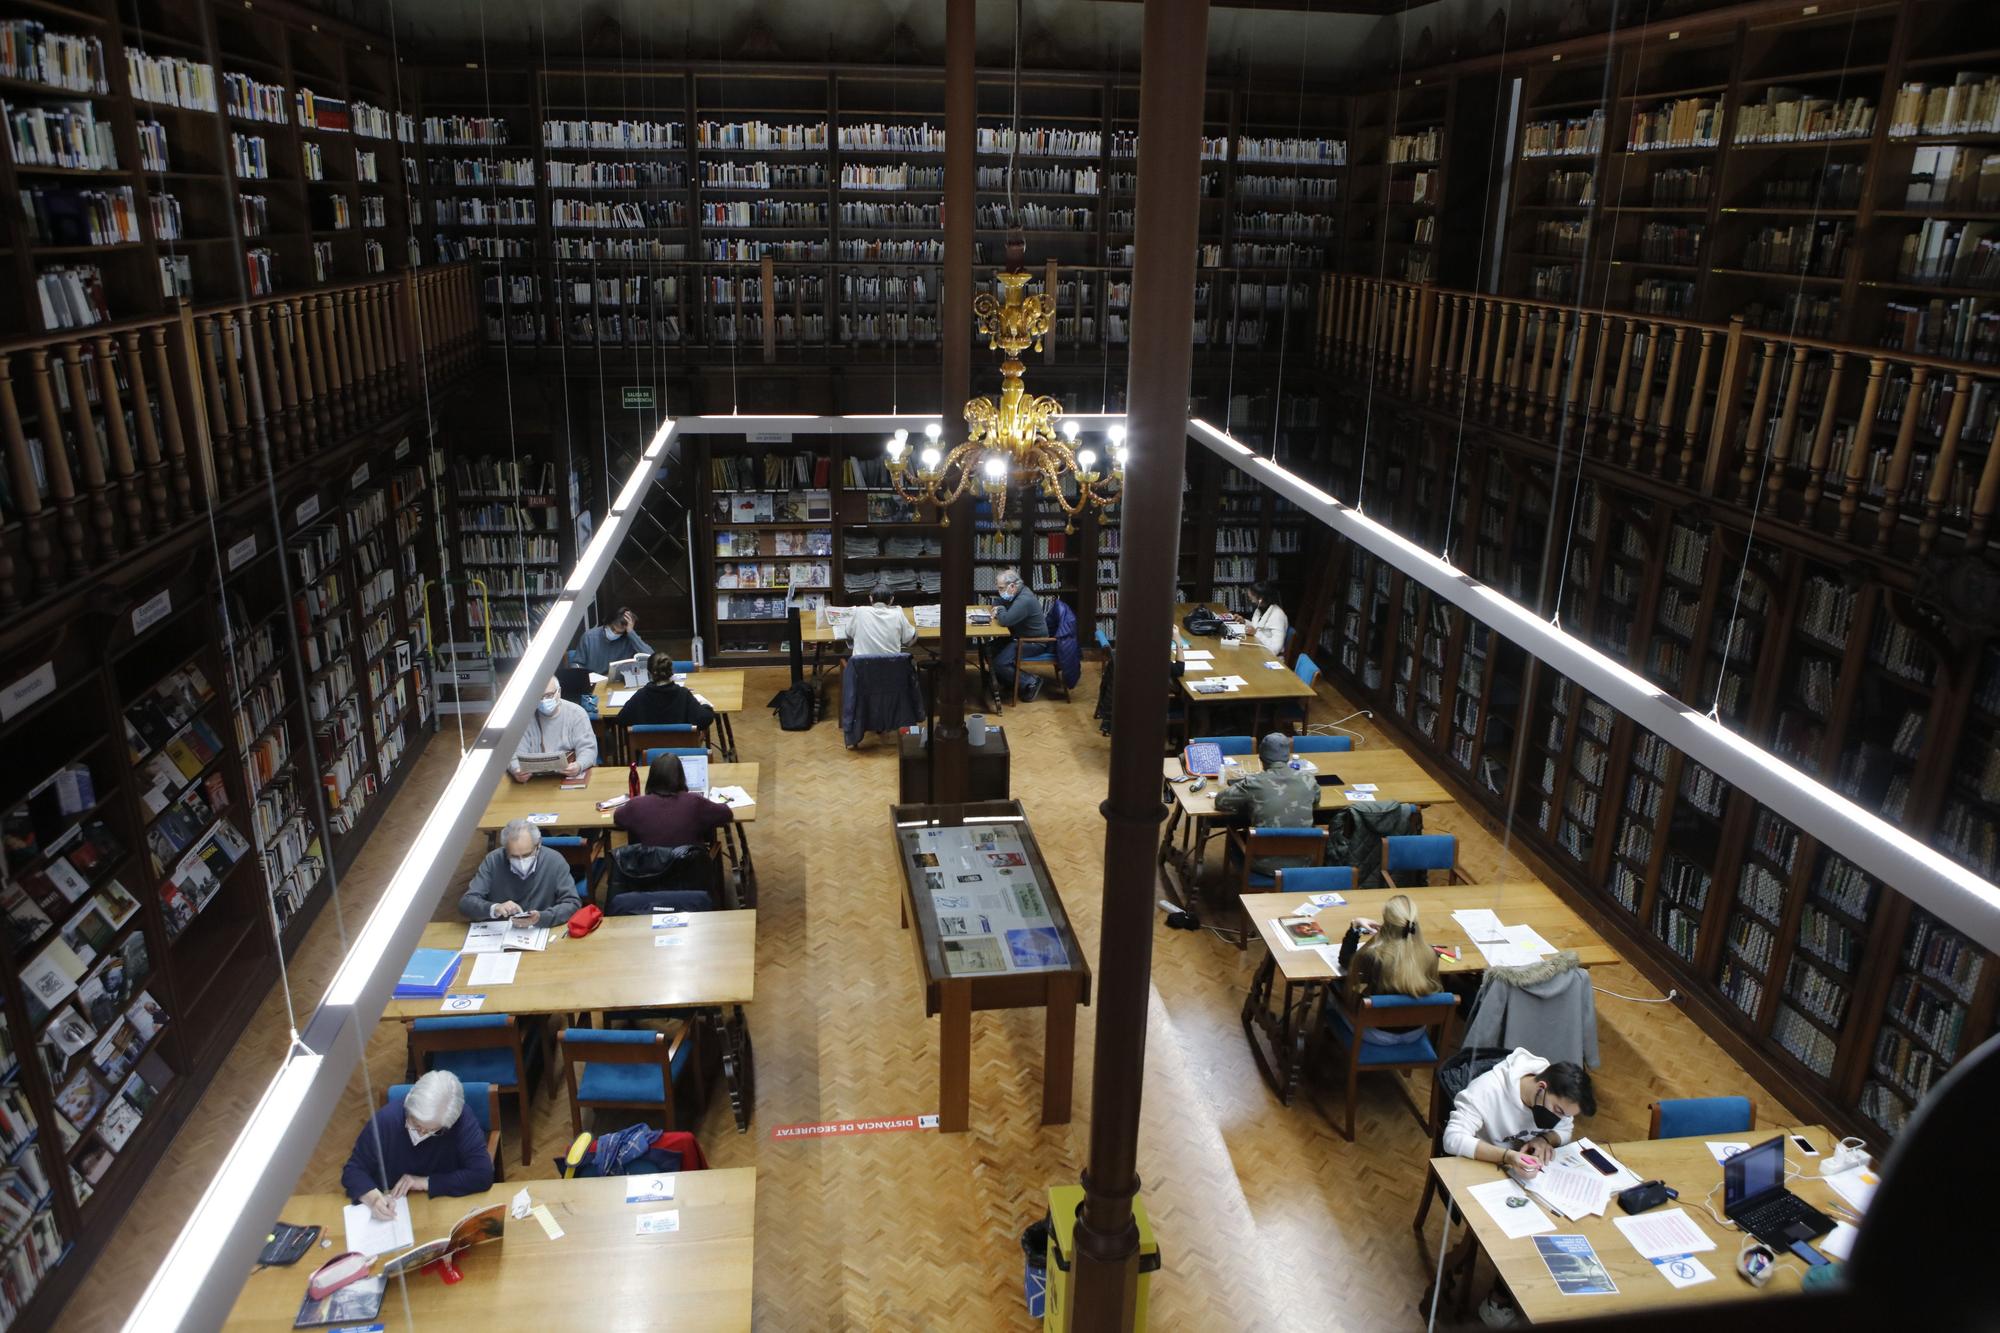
(120, 445)
(1947, 459)
(1435, 365)
(270, 402)
(257, 408)
(1413, 328)
(1498, 387)
(1822, 448)
(1572, 378)
(1760, 415)
(388, 315)
(1593, 407)
(1343, 322)
(286, 379)
(1362, 359)
(1857, 451)
(232, 353)
(1986, 498)
(1478, 375)
(366, 351)
(1663, 425)
(1616, 407)
(1692, 429)
(378, 352)
(96, 490)
(1899, 462)
(218, 411)
(21, 469)
(348, 357)
(1449, 383)
(313, 405)
(409, 336)
(1552, 377)
(174, 453)
(326, 368)
(1517, 363)
(1728, 393)
(159, 516)
(55, 462)
(334, 364)
(1642, 398)
(1788, 422)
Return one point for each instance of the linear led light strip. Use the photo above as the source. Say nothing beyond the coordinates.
(1919, 872)
(199, 1281)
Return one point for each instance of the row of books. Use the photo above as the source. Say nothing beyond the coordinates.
(170, 80)
(759, 134)
(586, 175)
(761, 176)
(902, 176)
(67, 135)
(1687, 122)
(630, 135)
(1969, 104)
(32, 53)
(497, 171)
(465, 129)
(634, 215)
(71, 296)
(1965, 254)
(1787, 115)
(1573, 136)
(1422, 146)
(1953, 178)
(81, 217)
(248, 98)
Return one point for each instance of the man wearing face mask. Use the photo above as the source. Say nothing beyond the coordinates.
(613, 641)
(426, 1145)
(558, 727)
(1519, 1112)
(519, 877)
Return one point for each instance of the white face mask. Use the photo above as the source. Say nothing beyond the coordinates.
(524, 866)
(547, 707)
(415, 1136)
(612, 631)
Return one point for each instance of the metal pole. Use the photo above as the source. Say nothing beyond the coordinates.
(948, 744)
(1173, 69)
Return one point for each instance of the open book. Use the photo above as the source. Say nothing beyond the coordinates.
(488, 1222)
(538, 765)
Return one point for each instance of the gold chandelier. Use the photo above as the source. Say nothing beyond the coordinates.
(1016, 440)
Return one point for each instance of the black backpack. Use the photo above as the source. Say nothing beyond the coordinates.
(1202, 623)
(796, 706)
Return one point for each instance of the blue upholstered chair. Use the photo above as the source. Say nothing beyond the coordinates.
(1253, 844)
(482, 1103)
(1103, 640)
(1322, 744)
(629, 1068)
(1229, 744)
(1299, 711)
(1316, 879)
(479, 1048)
(1425, 852)
(664, 733)
(1354, 1028)
(685, 668)
(571, 848)
(1698, 1117)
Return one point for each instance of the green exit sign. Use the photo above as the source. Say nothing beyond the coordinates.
(638, 395)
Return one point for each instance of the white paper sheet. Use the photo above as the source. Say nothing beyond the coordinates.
(619, 698)
(1576, 1191)
(1683, 1270)
(1330, 955)
(1527, 938)
(1366, 786)
(1517, 1220)
(494, 969)
(1195, 666)
(1506, 954)
(734, 797)
(653, 1223)
(1839, 1242)
(367, 1236)
(647, 1189)
(1480, 924)
(1197, 655)
(1663, 1232)
(1856, 1186)
(462, 1004)
(1622, 1178)
(1722, 1150)
(1356, 794)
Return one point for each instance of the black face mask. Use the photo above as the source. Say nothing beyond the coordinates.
(1545, 1118)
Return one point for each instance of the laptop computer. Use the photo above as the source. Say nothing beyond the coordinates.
(1754, 1197)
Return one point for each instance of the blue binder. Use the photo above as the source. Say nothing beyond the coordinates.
(428, 974)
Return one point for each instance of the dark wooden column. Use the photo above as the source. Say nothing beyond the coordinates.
(948, 746)
(1173, 65)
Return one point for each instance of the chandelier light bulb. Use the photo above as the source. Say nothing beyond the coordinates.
(902, 436)
(996, 468)
(1070, 430)
(1117, 434)
(897, 445)
(1119, 453)
(934, 431)
(931, 458)
(1086, 460)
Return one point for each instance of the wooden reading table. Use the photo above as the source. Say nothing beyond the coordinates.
(1296, 977)
(979, 637)
(722, 689)
(1266, 678)
(696, 1277)
(988, 936)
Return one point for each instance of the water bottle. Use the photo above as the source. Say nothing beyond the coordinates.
(632, 781)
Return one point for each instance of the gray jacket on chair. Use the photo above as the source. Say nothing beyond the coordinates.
(1548, 1007)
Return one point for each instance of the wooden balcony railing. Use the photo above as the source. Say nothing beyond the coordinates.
(1883, 449)
(119, 434)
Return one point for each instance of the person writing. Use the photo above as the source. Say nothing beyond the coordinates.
(557, 727)
(518, 877)
(879, 629)
(1279, 797)
(428, 1145)
(1394, 960)
(661, 701)
(1267, 620)
(1519, 1112)
(669, 815)
(1020, 611)
(613, 641)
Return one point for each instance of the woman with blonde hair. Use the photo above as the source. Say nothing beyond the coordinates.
(1396, 960)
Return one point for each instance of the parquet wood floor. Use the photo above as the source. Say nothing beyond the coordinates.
(1267, 1219)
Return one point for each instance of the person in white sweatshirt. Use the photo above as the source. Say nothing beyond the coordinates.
(1267, 620)
(1519, 1112)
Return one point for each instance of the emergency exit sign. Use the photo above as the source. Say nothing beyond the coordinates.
(638, 395)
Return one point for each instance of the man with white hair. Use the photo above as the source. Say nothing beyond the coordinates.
(557, 727)
(425, 1145)
(521, 877)
(1020, 611)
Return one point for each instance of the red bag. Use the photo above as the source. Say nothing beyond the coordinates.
(588, 918)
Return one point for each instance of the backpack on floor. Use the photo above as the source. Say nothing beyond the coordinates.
(795, 706)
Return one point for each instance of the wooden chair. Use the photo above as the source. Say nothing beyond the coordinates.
(679, 751)
(1349, 1026)
(482, 1103)
(631, 1068)
(479, 1048)
(1427, 852)
(1699, 1117)
(1044, 647)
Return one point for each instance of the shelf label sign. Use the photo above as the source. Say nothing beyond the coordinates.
(241, 552)
(637, 396)
(152, 611)
(359, 479)
(403, 448)
(308, 509)
(768, 436)
(37, 684)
